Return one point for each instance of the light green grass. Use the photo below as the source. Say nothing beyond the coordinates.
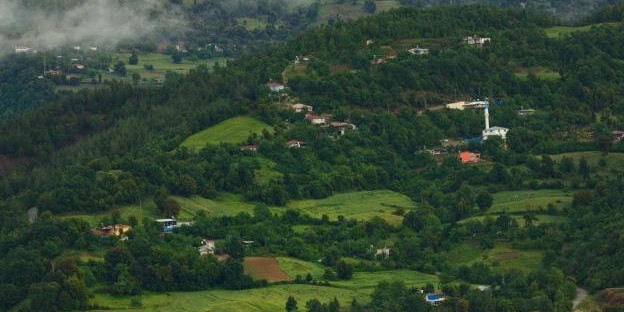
(367, 281)
(614, 161)
(163, 63)
(224, 205)
(362, 205)
(147, 209)
(559, 31)
(267, 171)
(270, 298)
(541, 218)
(541, 73)
(502, 257)
(83, 256)
(528, 201)
(251, 23)
(294, 267)
(234, 130)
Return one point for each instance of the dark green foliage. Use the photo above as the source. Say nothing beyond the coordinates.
(344, 270)
(291, 304)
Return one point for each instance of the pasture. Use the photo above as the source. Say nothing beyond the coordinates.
(529, 201)
(560, 31)
(294, 267)
(162, 63)
(224, 205)
(367, 281)
(234, 130)
(614, 162)
(265, 268)
(270, 298)
(362, 205)
(501, 258)
(147, 209)
(539, 72)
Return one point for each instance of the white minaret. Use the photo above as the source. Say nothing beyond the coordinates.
(487, 116)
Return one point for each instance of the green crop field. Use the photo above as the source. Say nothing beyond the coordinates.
(359, 205)
(234, 130)
(294, 267)
(501, 257)
(162, 63)
(529, 201)
(366, 281)
(252, 300)
(559, 31)
(224, 205)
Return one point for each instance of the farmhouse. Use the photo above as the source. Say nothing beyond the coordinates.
(112, 230)
(249, 148)
(22, 49)
(382, 253)
(298, 107)
(476, 40)
(315, 119)
(435, 298)
(418, 51)
(450, 143)
(167, 224)
(295, 144)
(207, 247)
(467, 157)
(525, 112)
(461, 105)
(341, 127)
(617, 135)
(495, 131)
(274, 86)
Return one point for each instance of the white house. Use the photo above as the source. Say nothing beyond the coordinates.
(382, 253)
(418, 51)
(476, 40)
(461, 105)
(315, 119)
(22, 49)
(298, 107)
(207, 247)
(274, 86)
(495, 131)
(295, 144)
(168, 224)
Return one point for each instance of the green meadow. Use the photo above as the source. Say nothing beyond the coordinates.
(234, 130)
(162, 63)
(366, 281)
(559, 31)
(529, 201)
(294, 267)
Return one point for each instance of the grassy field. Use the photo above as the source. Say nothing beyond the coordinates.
(539, 72)
(252, 300)
(251, 23)
(358, 205)
(224, 205)
(162, 63)
(366, 281)
(614, 161)
(294, 267)
(234, 130)
(501, 257)
(529, 201)
(559, 31)
(147, 209)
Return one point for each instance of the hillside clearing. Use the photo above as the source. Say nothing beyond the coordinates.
(367, 281)
(529, 201)
(362, 205)
(265, 268)
(234, 130)
(294, 267)
(559, 31)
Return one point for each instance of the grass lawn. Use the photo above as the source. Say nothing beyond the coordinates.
(294, 267)
(559, 31)
(224, 205)
(501, 257)
(367, 281)
(148, 209)
(539, 72)
(359, 205)
(614, 161)
(162, 63)
(234, 130)
(252, 300)
(528, 201)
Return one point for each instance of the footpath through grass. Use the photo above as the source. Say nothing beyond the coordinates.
(234, 130)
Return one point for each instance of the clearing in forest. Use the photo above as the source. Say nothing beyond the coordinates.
(234, 130)
(362, 205)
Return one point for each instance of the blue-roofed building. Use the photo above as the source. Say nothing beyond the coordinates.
(435, 298)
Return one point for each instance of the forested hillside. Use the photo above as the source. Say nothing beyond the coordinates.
(375, 195)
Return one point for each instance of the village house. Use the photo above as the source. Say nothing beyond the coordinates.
(617, 135)
(525, 112)
(249, 148)
(298, 107)
(467, 157)
(168, 224)
(299, 59)
(451, 143)
(418, 51)
(112, 230)
(435, 299)
(315, 119)
(476, 40)
(207, 247)
(295, 144)
(369, 42)
(495, 131)
(22, 49)
(461, 105)
(341, 127)
(274, 86)
(383, 253)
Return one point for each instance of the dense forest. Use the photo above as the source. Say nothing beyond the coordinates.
(97, 150)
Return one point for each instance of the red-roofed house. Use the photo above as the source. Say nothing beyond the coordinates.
(295, 144)
(467, 157)
(274, 86)
(315, 119)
